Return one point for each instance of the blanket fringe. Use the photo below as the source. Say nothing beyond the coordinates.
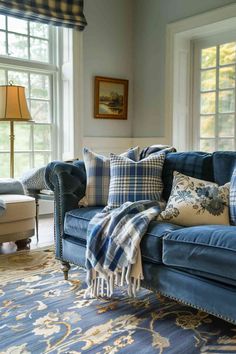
(100, 285)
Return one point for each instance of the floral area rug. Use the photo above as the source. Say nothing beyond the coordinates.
(42, 313)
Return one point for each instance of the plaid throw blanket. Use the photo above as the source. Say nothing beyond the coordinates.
(113, 253)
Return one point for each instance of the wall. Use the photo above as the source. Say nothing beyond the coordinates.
(150, 20)
(107, 51)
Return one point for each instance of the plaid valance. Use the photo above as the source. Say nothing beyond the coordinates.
(67, 13)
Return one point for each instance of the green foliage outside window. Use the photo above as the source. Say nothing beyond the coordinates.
(217, 98)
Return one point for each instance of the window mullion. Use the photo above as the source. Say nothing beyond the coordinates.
(217, 98)
(28, 39)
(7, 46)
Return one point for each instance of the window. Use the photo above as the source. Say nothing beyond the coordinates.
(214, 95)
(27, 58)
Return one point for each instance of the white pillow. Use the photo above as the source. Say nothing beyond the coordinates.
(196, 202)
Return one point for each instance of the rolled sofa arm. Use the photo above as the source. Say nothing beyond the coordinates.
(68, 181)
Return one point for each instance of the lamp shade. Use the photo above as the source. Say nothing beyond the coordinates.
(13, 105)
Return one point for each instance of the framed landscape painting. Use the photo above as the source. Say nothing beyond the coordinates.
(110, 98)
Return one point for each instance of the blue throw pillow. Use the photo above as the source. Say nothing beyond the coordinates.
(232, 198)
(98, 176)
(132, 181)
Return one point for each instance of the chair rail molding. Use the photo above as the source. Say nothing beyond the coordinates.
(178, 70)
(105, 145)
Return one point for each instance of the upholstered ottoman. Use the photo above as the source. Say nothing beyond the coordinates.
(18, 220)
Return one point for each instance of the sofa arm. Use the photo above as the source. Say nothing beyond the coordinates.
(68, 182)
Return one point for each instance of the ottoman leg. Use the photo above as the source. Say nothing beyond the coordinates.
(23, 244)
(65, 267)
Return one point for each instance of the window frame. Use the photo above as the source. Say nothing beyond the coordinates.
(178, 69)
(197, 46)
(52, 70)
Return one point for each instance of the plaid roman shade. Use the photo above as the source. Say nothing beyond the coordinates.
(133, 181)
(232, 198)
(66, 13)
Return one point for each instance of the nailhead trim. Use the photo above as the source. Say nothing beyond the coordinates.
(228, 319)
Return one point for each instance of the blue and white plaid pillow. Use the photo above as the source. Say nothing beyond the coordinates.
(98, 176)
(232, 198)
(133, 181)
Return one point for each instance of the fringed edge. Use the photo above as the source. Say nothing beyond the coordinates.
(101, 286)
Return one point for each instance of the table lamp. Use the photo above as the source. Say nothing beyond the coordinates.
(13, 108)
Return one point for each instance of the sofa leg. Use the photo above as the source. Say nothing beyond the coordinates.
(65, 266)
(23, 244)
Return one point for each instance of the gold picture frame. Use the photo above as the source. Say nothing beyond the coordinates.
(110, 98)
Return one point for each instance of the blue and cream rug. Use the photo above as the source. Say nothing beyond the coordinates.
(42, 313)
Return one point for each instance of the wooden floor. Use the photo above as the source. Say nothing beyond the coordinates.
(45, 236)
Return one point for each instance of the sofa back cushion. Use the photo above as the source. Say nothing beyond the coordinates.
(194, 164)
(224, 163)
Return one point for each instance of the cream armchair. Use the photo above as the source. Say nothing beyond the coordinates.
(17, 214)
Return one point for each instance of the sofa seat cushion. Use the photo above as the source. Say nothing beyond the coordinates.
(77, 220)
(209, 249)
(151, 243)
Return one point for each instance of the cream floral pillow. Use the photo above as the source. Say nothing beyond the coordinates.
(196, 202)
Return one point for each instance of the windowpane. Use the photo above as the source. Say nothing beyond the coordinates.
(42, 137)
(42, 158)
(208, 103)
(39, 86)
(4, 165)
(208, 57)
(226, 125)
(40, 111)
(2, 22)
(22, 163)
(207, 145)
(207, 126)
(39, 50)
(226, 101)
(227, 53)
(226, 144)
(17, 46)
(19, 78)
(4, 136)
(17, 25)
(38, 30)
(22, 136)
(2, 77)
(227, 77)
(208, 80)
(2, 43)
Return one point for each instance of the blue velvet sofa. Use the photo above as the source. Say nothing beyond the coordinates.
(193, 265)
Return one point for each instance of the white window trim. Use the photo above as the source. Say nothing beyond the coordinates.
(72, 93)
(198, 45)
(178, 95)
